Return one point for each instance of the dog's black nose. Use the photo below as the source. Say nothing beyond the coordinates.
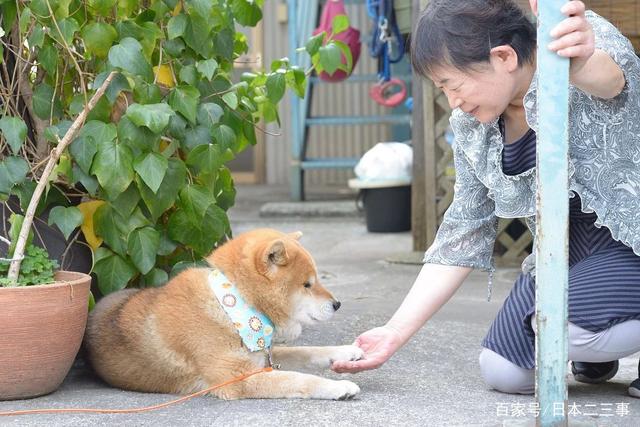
(336, 305)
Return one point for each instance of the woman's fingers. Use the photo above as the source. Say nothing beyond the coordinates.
(582, 51)
(570, 25)
(573, 45)
(574, 35)
(351, 367)
(573, 8)
(570, 40)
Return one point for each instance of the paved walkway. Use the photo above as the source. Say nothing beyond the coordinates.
(433, 381)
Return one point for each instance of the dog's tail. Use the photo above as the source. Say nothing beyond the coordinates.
(109, 305)
(103, 320)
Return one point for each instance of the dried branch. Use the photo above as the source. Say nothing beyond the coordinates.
(14, 269)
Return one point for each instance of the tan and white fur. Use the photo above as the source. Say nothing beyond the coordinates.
(178, 339)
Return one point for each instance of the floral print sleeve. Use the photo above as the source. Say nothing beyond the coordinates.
(467, 234)
(605, 142)
(609, 39)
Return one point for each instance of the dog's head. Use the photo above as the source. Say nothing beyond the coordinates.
(278, 276)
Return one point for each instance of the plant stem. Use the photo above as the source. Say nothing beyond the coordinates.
(21, 74)
(14, 269)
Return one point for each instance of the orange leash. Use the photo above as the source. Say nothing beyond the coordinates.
(132, 410)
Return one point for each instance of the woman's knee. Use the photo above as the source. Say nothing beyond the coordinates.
(503, 375)
(618, 341)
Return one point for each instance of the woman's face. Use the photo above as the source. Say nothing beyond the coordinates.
(485, 91)
(484, 94)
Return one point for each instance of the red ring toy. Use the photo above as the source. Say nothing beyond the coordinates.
(383, 93)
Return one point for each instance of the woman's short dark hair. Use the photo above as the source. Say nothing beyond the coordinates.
(462, 33)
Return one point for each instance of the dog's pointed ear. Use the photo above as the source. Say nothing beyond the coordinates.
(296, 235)
(276, 254)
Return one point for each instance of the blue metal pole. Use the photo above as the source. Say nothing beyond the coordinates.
(295, 176)
(552, 223)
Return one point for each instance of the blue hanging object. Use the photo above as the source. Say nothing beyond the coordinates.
(387, 43)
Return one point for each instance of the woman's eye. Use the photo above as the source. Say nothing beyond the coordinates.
(307, 284)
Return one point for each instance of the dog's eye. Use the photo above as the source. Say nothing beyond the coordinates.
(307, 284)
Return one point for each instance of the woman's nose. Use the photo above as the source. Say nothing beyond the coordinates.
(454, 101)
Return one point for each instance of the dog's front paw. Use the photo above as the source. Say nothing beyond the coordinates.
(339, 390)
(348, 390)
(345, 353)
(325, 356)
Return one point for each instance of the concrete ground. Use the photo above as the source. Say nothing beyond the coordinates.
(433, 381)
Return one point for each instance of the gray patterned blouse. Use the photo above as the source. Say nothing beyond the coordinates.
(604, 167)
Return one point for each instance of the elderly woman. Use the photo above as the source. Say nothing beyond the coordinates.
(482, 54)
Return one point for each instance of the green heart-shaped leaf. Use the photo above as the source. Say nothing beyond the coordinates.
(98, 38)
(112, 165)
(128, 56)
(339, 24)
(176, 26)
(276, 86)
(164, 198)
(246, 12)
(225, 136)
(207, 68)
(151, 167)
(195, 200)
(66, 219)
(113, 273)
(156, 278)
(330, 58)
(154, 116)
(14, 131)
(142, 247)
(185, 99)
(107, 225)
(13, 170)
(209, 114)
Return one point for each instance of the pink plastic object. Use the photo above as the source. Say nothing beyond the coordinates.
(351, 37)
(389, 94)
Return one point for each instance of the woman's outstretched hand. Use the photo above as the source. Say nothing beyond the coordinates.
(378, 345)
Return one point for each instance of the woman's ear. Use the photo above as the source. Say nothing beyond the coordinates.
(504, 57)
(534, 6)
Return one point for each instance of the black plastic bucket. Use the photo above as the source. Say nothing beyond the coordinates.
(387, 209)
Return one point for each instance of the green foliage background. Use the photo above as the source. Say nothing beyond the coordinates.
(155, 148)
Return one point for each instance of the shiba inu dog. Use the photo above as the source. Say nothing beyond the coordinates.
(182, 338)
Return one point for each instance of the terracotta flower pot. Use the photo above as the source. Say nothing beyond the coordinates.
(42, 328)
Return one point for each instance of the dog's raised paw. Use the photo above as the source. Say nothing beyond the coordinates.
(345, 352)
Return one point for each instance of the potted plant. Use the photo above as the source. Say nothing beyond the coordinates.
(141, 172)
(43, 314)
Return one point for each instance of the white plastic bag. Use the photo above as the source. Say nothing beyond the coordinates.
(386, 161)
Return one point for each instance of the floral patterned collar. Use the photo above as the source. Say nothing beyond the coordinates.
(255, 329)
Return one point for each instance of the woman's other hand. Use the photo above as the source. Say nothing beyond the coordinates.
(574, 36)
(592, 70)
(378, 345)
